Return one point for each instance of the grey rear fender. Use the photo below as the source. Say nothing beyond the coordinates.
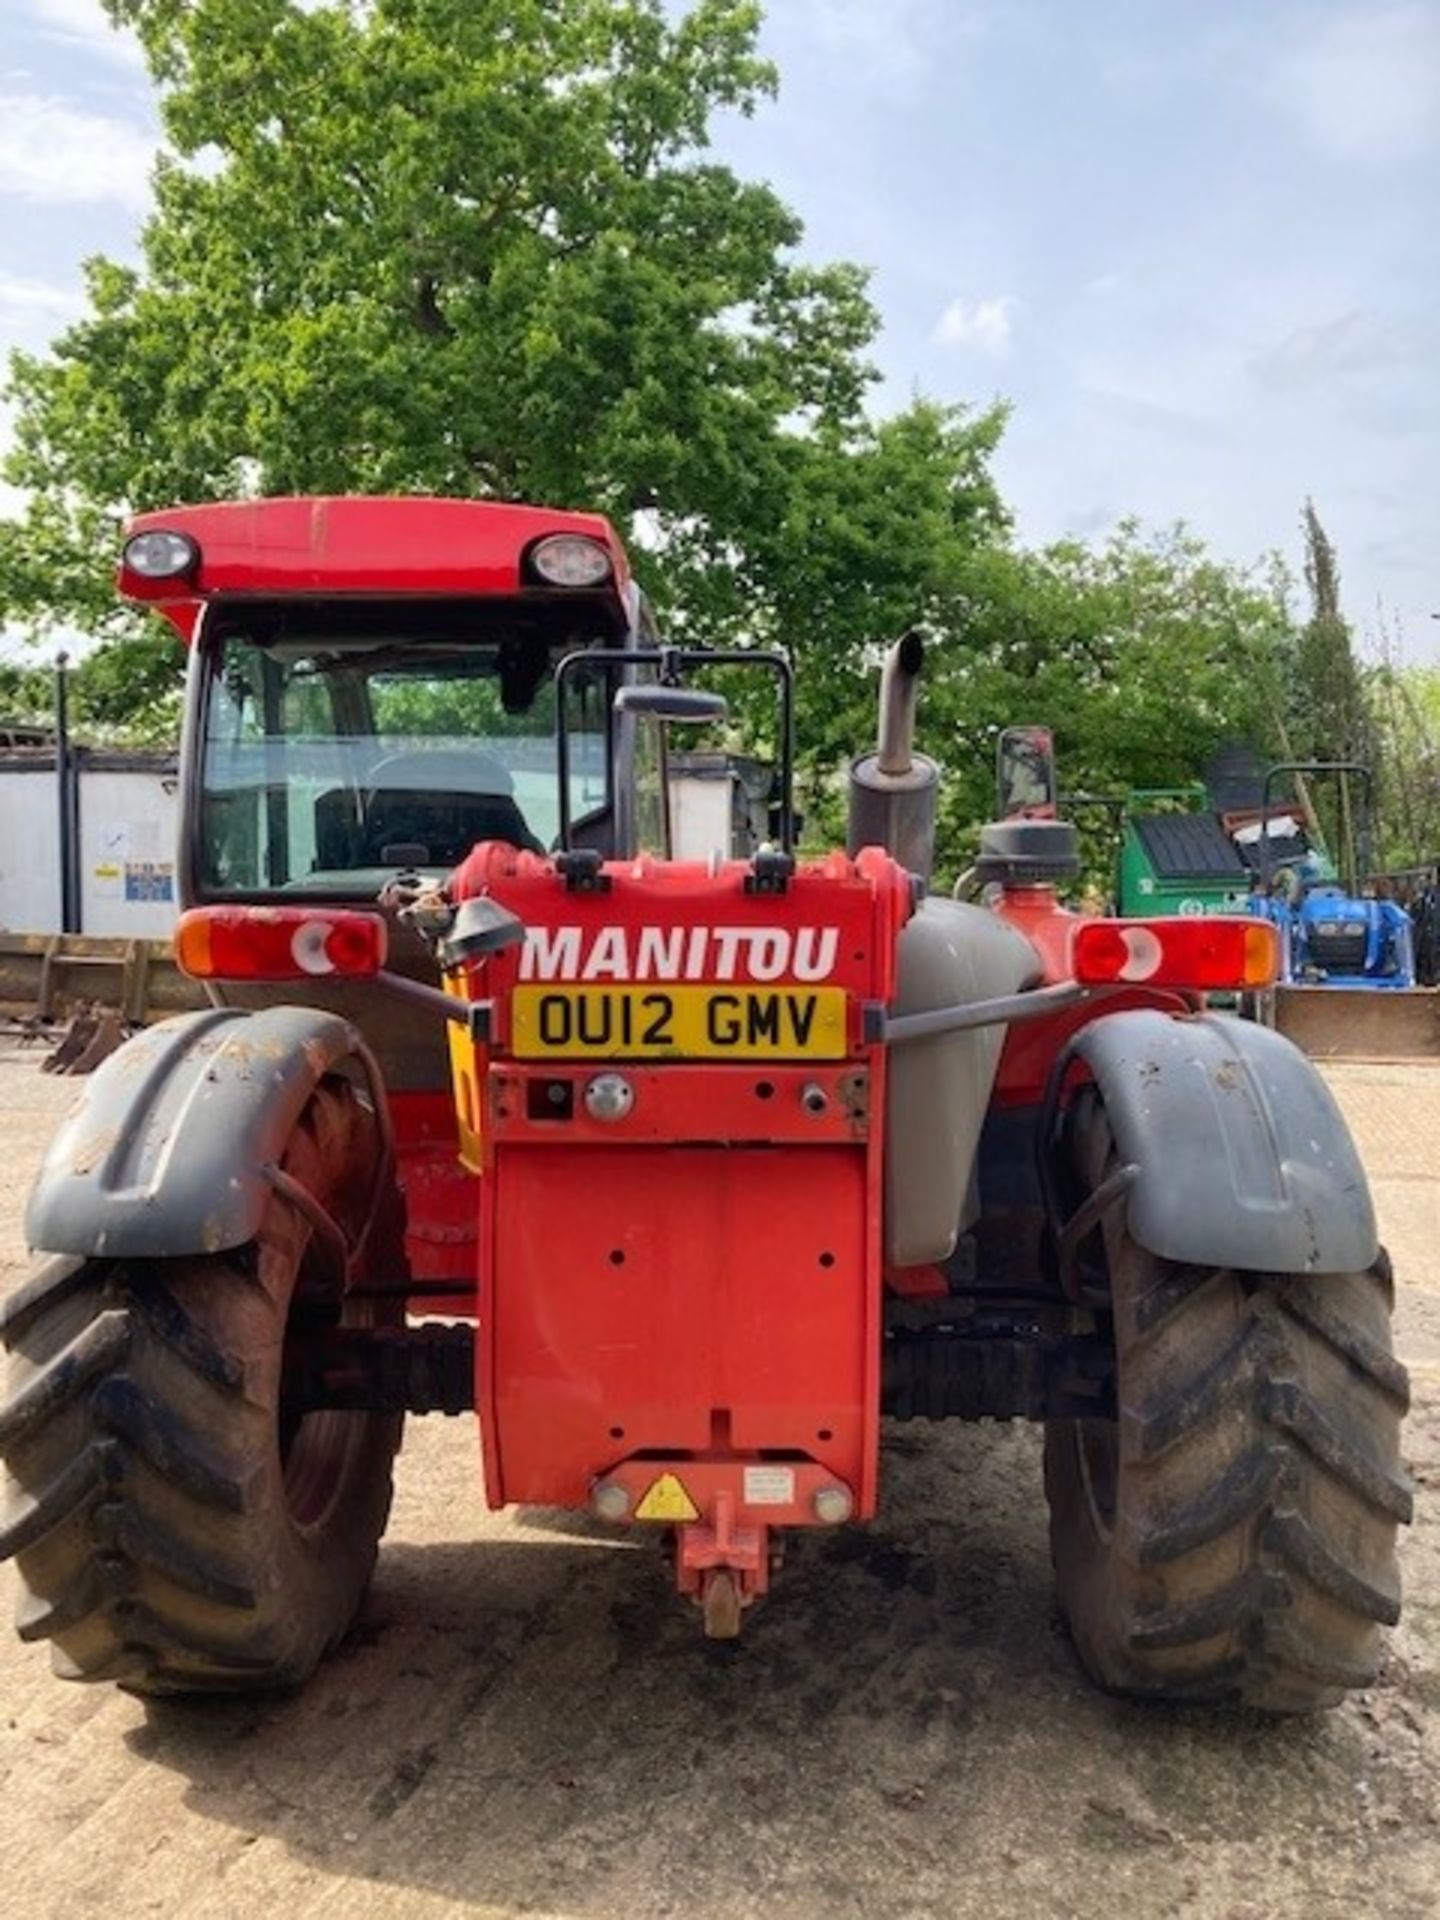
(1242, 1158)
(172, 1145)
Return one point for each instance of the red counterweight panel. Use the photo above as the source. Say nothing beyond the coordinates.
(664, 1298)
(698, 1274)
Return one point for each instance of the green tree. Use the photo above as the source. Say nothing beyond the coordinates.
(1405, 703)
(1332, 715)
(1333, 718)
(26, 695)
(464, 246)
(1144, 656)
(479, 247)
(129, 692)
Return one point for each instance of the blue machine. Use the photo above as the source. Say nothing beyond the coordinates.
(1328, 939)
(1329, 936)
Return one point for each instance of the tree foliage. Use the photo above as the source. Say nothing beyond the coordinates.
(1144, 656)
(126, 693)
(1333, 719)
(480, 247)
(460, 246)
(1405, 705)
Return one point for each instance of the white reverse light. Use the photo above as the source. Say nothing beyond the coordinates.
(1145, 953)
(310, 947)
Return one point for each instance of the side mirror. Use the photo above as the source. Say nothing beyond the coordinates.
(687, 705)
(481, 927)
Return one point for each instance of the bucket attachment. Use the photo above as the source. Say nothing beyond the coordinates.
(91, 1035)
(1361, 1023)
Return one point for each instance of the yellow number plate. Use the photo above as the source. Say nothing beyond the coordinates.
(666, 1023)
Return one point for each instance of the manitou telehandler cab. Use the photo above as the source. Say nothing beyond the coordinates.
(680, 1167)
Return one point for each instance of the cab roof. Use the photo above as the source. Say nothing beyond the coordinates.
(374, 546)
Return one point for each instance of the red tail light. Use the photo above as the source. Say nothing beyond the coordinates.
(1209, 953)
(278, 943)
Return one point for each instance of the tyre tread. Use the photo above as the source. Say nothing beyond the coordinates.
(145, 1490)
(86, 1358)
(1252, 1555)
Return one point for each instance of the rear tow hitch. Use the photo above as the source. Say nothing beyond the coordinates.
(723, 1567)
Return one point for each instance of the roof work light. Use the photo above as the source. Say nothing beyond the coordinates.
(570, 560)
(161, 555)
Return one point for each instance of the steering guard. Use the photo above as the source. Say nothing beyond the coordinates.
(1243, 1158)
(167, 1151)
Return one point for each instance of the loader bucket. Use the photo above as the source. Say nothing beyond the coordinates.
(54, 975)
(1361, 1023)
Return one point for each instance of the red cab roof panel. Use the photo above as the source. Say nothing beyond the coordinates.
(352, 544)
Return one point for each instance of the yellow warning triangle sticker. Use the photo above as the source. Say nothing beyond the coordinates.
(666, 1499)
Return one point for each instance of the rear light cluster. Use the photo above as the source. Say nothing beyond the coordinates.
(279, 943)
(1210, 954)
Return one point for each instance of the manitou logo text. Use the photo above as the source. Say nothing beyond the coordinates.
(679, 953)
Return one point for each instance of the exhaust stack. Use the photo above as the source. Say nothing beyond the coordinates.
(893, 790)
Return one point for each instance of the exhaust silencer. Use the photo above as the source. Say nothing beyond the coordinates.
(893, 790)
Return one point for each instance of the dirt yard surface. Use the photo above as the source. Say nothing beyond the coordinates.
(528, 1723)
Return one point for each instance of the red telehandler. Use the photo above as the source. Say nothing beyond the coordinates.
(679, 1166)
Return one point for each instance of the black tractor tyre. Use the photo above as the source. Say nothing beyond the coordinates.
(176, 1526)
(1231, 1535)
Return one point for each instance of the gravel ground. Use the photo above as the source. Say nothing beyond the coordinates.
(527, 1722)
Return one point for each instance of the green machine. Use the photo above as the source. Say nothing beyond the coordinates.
(1176, 856)
(1171, 851)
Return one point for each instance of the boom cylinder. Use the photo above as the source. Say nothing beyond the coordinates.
(893, 790)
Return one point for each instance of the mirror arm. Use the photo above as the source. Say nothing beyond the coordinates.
(473, 1015)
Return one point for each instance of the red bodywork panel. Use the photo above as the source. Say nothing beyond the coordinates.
(1031, 1045)
(698, 1280)
(442, 1227)
(352, 545)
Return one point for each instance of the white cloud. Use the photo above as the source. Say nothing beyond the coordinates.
(1365, 84)
(891, 43)
(32, 313)
(22, 300)
(1146, 415)
(1358, 342)
(83, 24)
(62, 155)
(23, 649)
(984, 325)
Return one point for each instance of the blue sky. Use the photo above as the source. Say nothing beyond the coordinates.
(1196, 246)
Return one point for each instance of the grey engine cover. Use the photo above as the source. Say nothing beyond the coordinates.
(940, 1087)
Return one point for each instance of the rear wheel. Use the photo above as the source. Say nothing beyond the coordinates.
(1231, 1535)
(178, 1521)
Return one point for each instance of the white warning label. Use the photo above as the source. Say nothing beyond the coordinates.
(769, 1486)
